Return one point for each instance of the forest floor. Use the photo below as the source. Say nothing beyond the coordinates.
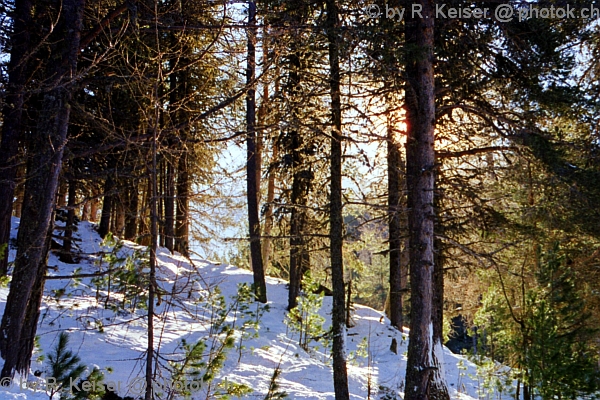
(107, 330)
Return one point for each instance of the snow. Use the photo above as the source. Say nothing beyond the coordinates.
(114, 340)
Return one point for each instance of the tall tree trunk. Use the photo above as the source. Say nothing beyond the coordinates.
(12, 112)
(66, 255)
(94, 206)
(424, 380)
(107, 206)
(252, 166)
(268, 226)
(439, 388)
(152, 284)
(33, 313)
(180, 91)
(394, 227)
(61, 195)
(47, 147)
(182, 217)
(299, 257)
(160, 201)
(19, 191)
(262, 122)
(119, 219)
(131, 212)
(301, 183)
(169, 197)
(336, 222)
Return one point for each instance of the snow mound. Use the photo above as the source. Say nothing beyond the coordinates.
(108, 331)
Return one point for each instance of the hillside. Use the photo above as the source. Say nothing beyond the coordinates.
(107, 330)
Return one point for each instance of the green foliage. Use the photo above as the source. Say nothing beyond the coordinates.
(249, 309)
(65, 367)
(305, 319)
(127, 278)
(365, 259)
(203, 360)
(91, 386)
(274, 393)
(547, 337)
(492, 377)
(362, 351)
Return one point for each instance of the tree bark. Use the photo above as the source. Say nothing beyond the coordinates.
(47, 146)
(301, 183)
(394, 227)
(19, 193)
(169, 230)
(107, 206)
(260, 286)
(424, 380)
(131, 212)
(268, 226)
(93, 207)
(336, 222)
(152, 284)
(299, 257)
(66, 255)
(12, 112)
(182, 218)
(33, 313)
(262, 122)
(119, 212)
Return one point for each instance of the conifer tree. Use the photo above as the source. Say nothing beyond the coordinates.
(336, 221)
(20, 315)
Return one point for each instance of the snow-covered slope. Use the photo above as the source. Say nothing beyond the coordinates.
(114, 339)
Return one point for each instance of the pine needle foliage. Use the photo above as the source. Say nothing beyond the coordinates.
(547, 338)
(65, 366)
(304, 318)
(274, 392)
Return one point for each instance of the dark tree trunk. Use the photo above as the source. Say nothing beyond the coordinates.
(336, 222)
(94, 207)
(180, 91)
(61, 196)
(160, 183)
(65, 255)
(169, 231)
(394, 227)
(144, 232)
(252, 166)
(152, 284)
(182, 218)
(301, 183)
(299, 257)
(107, 206)
(268, 226)
(131, 217)
(32, 314)
(12, 112)
(262, 122)
(424, 380)
(19, 193)
(438, 386)
(47, 145)
(119, 215)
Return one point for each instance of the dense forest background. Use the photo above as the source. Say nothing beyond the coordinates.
(447, 169)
